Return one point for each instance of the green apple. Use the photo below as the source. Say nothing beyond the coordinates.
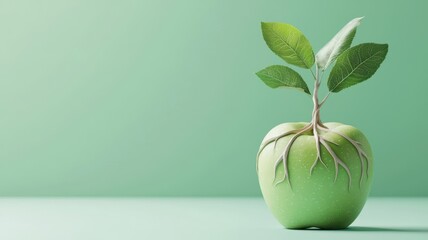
(316, 174)
(314, 198)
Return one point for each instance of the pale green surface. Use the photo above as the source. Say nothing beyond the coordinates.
(315, 200)
(188, 219)
(160, 97)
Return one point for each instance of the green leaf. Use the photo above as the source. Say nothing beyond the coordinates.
(356, 65)
(288, 43)
(281, 76)
(338, 44)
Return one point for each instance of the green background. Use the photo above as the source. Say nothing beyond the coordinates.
(159, 98)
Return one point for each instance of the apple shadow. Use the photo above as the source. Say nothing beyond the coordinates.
(386, 229)
(373, 229)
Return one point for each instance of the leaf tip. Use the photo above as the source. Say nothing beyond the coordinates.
(263, 24)
(385, 47)
(357, 21)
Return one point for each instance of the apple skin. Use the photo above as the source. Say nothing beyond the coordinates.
(315, 200)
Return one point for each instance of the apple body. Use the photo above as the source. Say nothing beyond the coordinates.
(315, 200)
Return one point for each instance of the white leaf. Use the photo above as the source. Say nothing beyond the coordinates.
(339, 43)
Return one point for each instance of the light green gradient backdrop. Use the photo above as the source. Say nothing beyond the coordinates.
(159, 98)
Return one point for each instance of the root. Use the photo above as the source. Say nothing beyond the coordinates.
(316, 125)
(318, 146)
(284, 156)
(362, 155)
(319, 140)
(275, 140)
(337, 161)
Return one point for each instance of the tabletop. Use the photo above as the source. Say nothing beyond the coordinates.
(194, 218)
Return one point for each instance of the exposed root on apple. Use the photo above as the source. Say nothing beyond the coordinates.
(284, 156)
(275, 140)
(319, 141)
(318, 146)
(361, 153)
(337, 161)
(315, 127)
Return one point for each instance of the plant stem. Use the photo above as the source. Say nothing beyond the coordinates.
(316, 126)
(315, 112)
(312, 72)
(325, 98)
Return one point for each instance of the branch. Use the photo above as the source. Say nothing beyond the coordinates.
(313, 74)
(324, 99)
